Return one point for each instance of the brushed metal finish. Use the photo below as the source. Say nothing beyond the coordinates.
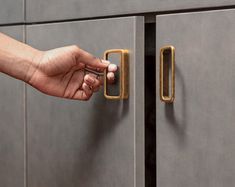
(41, 10)
(123, 74)
(94, 143)
(11, 124)
(164, 75)
(195, 135)
(11, 11)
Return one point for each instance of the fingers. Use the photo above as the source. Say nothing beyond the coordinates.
(81, 95)
(90, 85)
(112, 68)
(75, 82)
(84, 93)
(88, 59)
(92, 82)
(95, 63)
(87, 89)
(110, 77)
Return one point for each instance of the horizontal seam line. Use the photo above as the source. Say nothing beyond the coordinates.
(156, 13)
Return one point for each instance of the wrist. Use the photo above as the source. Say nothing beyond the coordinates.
(17, 59)
(34, 62)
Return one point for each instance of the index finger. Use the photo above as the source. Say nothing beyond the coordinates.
(90, 60)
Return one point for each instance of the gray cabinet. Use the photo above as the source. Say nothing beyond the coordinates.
(11, 11)
(41, 10)
(195, 135)
(53, 142)
(12, 124)
(94, 143)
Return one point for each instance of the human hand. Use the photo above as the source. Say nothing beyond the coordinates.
(61, 72)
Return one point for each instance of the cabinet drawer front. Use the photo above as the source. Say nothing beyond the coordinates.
(95, 143)
(41, 10)
(195, 135)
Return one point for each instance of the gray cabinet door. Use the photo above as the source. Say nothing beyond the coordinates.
(195, 135)
(95, 143)
(41, 10)
(11, 11)
(12, 124)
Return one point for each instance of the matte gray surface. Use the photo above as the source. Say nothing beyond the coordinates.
(195, 136)
(11, 124)
(11, 11)
(94, 143)
(41, 10)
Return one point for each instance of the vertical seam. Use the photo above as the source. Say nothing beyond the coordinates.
(24, 10)
(134, 98)
(25, 140)
(25, 109)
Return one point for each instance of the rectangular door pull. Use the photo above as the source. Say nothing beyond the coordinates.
(167, 64)
(123, 74)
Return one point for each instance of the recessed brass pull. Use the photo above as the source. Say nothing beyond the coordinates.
(124, 74)
(167, 63)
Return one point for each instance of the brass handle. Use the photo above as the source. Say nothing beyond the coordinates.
(124, 74)
(167, 62)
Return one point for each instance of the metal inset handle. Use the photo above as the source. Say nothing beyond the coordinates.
(167, 63)
(124, 74)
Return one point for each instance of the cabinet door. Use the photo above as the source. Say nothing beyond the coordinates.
(195, 134)
(41, 10)
(95, 143)
(12, 123)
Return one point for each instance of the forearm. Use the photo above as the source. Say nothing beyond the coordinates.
(17, 59)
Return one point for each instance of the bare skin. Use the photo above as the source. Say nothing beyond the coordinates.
(58, 72)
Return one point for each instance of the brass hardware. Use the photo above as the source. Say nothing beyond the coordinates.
(167, 51)
(124, 73)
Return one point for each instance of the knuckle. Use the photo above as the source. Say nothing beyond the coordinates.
(86, 77)
(75, 47)
(84, 85)
(97, 83)
(75, 51)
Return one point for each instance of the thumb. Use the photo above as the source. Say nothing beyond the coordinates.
(90, 60)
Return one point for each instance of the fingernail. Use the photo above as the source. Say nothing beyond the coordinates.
(105, 62)
(112, 67)
(110, 76)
